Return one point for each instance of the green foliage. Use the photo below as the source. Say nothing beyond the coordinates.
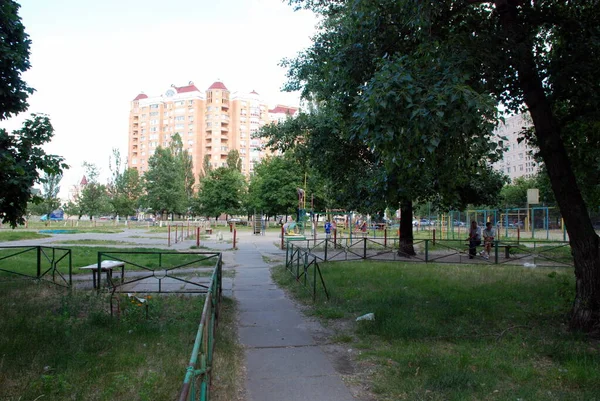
(273, 186)
(124, 188)
(14, 53)
(223, 190)
(49, 196)
(168, 181)
(21, 161)
(93, 200)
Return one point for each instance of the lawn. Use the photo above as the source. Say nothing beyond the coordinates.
(14, 235)
(25, 263)
(57, 345)
(459, 332)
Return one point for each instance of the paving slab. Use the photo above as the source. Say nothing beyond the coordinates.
(260, 305)
(272, 336)
(300, 388)
(270, 363)
(270, 318)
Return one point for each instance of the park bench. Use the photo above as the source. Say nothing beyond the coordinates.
(507, 248)
(106, 266)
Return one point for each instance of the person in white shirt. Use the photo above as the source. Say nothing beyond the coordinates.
(488, 239)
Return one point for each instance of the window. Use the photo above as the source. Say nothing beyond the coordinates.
(154, 106)
(179, 118)
(154, 113)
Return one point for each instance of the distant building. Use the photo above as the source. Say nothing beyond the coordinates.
(75, 190)
(517, 160)
(210, 123)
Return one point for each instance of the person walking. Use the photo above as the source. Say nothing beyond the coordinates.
(474, 239)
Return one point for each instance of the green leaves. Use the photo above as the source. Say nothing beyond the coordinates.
(21, 161)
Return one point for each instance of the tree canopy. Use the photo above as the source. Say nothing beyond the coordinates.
(21, 161)
(417, 81)
(14, 60)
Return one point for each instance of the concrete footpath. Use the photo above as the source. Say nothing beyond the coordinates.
(283, 362)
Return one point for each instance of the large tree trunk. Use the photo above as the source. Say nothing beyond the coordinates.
(585, 314)
(406, 247)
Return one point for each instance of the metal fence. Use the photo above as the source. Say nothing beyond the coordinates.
(159, 271)
(196, 384)
(509, 252)
(304, 266)
(37, 262)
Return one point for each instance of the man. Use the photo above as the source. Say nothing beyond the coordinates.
(488, 239)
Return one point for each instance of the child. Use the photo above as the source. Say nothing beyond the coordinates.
(488, 239)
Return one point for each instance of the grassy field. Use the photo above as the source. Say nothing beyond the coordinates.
(459, 332)
(65, 346)
(14, 235)
(25, 263)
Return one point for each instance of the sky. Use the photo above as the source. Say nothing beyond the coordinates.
(90, 59)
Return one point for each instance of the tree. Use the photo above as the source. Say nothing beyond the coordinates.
(72, 208)
(14, 53)
(165, 183)
(93, 200)
(272, 188)
(50, 190)
(124, 188)
(184, 164)
(21, 160)
(541, 55)
(221, 191)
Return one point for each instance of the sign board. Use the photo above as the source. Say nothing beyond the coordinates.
(533, 196)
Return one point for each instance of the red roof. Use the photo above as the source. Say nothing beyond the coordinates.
(140, 96)
(284, 109)
(189, 88)
(217, 85)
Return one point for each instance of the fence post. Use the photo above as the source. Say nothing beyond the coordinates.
(518, 234)
(197, 236)
(287, 255)
(385, 237)
(434, 236)
(496, 251)
(282, 231)
(364, 248)
(315, 279)
(234, 237)
(335, 238)
(39, 261)
(176, 233)
(169, 240)
(426, 250)
(326, 245)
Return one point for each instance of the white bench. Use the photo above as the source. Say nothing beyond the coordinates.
(106, 266)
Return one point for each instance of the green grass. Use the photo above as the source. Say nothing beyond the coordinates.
(14, 235)
(94, 242)
(57, 346)
(460, 332)
(25, 263)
